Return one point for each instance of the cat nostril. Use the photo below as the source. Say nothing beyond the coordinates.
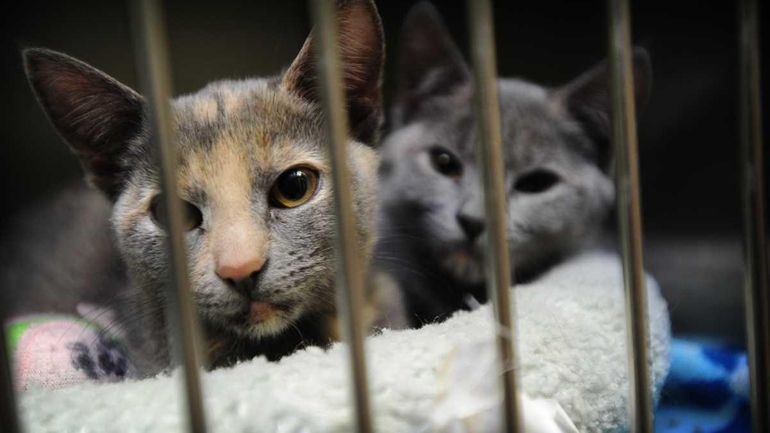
(472, 226)
(244, 285)
(238, 270)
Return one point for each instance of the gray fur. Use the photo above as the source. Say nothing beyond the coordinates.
(234, 138)
(562, 130)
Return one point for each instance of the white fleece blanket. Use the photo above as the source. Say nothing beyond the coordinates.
(441, 378)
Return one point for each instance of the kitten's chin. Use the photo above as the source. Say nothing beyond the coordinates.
(261, 320)
(265, 319)
(464, 265)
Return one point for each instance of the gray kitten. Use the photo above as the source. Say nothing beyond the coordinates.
(254, 178)
(556, 167)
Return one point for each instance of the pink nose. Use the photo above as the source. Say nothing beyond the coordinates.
(239, 268)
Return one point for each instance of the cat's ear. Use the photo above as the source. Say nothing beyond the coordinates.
(93, 112)
(362, 54)
(429, 62)
(587, 97)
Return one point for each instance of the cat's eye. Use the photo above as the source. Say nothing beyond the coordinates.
(445, 162)
(192, 216)
(294, 187)
(536, 181)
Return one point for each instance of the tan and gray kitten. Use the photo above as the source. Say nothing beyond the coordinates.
(254, 177)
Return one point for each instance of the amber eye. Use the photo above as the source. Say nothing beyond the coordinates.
(445, 162)
(193, 217)
(294, 187)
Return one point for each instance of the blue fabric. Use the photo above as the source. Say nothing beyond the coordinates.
(707, 390)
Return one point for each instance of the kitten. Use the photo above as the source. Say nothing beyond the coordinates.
(556, 171)
(254, 178)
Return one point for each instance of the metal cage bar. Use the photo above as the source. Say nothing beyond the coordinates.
(624, 139)
(183, 327)
(350, 276)
(755, 236)
(498, 264)
(8, 411)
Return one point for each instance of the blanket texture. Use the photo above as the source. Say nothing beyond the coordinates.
(440, 378)
(707, 390)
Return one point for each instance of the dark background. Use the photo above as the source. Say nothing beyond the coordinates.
(688, 133)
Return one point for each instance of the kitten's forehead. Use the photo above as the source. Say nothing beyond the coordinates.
(530, 123)
(527, 115)
(258, 109)
(533, 127)
(252, 127)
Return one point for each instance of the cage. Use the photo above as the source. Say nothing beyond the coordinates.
(147, 25)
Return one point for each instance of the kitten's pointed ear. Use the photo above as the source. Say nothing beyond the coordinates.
(429, 62)
(362, 54)
(93, 112)
(587, 97)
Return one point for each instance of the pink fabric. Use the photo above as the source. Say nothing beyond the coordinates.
(44, 356)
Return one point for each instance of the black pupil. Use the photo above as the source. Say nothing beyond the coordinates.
(445, 162)
(294, 185)
(192, 215)
(444, 159)
(536, 181)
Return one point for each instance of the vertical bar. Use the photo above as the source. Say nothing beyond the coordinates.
(629, 214)
(755, 237)
(9, 420)
(350, 279)
(184, 330)
(498, 263)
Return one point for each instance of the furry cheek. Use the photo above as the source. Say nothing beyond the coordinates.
(366, 162)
